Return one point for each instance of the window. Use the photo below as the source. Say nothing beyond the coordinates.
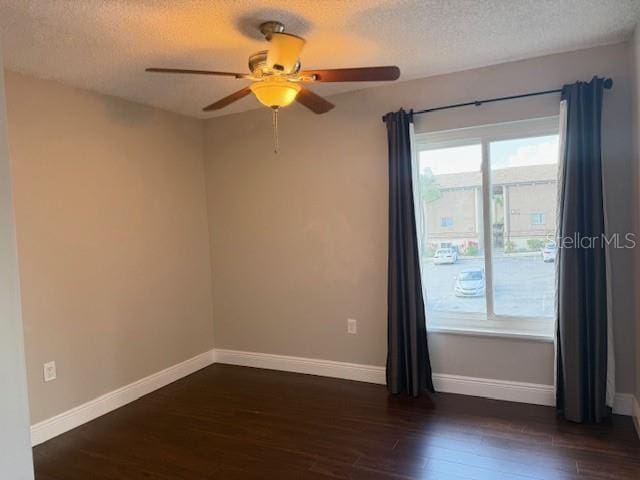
(500, 184)
(537, 219)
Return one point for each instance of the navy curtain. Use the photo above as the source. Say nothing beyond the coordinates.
(408, 365)
(581, 380)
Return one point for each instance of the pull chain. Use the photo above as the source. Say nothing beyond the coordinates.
(275, 130)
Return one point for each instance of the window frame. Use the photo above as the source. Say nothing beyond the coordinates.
(538, 328)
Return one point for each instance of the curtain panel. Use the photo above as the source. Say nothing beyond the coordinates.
(408, 364)
(583, 342)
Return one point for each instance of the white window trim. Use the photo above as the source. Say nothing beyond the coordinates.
(489, 324)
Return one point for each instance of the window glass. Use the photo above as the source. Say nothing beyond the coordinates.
(524, 175)
(452, 258)
(486, 216)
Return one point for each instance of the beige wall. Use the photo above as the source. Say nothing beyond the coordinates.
(635, 61)
(299, 239)
(112, 239)
(15, 445)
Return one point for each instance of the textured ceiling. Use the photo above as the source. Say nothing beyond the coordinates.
(105, 45)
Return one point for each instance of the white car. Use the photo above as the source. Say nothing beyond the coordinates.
(549, 252)
(445, 255)
(470, 283)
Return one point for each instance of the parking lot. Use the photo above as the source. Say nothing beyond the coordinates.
(523, 286)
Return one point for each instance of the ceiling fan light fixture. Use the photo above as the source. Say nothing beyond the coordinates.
(284, 52)
(275, 92)
(277, 76)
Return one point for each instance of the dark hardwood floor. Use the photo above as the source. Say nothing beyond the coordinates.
(227, 422)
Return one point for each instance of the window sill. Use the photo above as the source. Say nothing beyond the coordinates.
(478, 332)
(475, 324)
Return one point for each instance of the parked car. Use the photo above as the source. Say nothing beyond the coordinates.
(445, 255)
(470, 283)
(549, 252)
(452, 247)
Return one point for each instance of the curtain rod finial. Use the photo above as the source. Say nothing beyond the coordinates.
(608, 83)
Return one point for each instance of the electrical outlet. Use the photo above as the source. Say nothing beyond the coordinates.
(352, 326)
(49, 371)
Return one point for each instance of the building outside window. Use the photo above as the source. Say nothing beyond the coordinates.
(446, 221)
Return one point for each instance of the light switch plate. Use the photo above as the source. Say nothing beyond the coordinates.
(352, 326)
(49, 371)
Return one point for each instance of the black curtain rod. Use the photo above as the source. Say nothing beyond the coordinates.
(608, 83)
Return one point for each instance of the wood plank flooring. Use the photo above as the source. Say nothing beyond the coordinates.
(227, 422)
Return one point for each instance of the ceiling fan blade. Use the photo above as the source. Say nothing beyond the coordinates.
(364, 74)
(228, 100)
(195, 72)
(313, 102)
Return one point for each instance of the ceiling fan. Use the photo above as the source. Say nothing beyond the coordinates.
(277, 77)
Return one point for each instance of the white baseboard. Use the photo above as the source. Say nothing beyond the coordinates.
(313, 366)
(54, 426)
(623, 404)
(480, 387)
(522, 392)
(539, 394)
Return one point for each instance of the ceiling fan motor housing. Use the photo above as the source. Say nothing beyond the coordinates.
(258, 63)
(271, 27)
(259, 68)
